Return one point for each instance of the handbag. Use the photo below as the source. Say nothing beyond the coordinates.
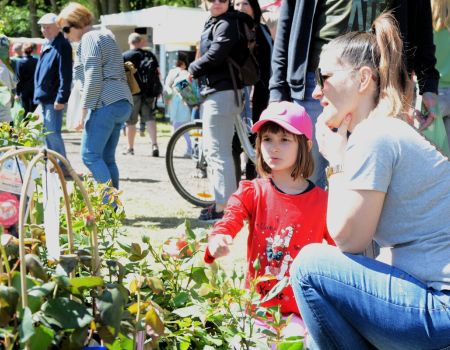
(131, 79)
(74, 107)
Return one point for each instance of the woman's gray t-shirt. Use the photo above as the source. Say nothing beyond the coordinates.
(388, 155)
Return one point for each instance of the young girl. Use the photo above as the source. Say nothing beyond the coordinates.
(285, 210)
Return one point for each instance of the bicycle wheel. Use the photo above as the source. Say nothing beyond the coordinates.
(186, 165)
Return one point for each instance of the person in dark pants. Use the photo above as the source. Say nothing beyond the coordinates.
(259, 94)
(52, 81)
(25, 69)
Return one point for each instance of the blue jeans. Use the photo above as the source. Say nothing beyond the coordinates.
(53, 124)
(100, 138)
(353, 302)
(314, 109)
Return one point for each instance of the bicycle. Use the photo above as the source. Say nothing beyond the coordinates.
(188, 173)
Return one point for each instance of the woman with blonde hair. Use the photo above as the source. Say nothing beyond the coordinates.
(106, 99)
(387, 183)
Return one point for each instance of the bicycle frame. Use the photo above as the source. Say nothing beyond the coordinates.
(243, 138)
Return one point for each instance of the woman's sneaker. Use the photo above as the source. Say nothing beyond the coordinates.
(210, 214)
(155, 151)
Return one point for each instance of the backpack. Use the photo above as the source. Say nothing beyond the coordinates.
(130, 70)
(148, 75)
(248, 67)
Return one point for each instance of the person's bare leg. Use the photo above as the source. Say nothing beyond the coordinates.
(131, 134)
(151, 128)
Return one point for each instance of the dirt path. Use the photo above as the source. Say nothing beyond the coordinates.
(151, 204)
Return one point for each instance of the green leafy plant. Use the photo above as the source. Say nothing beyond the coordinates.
(142, 295)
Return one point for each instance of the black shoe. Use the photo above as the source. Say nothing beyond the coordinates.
(155, 151)
(209, 207)
(129, 151)
(210, 214)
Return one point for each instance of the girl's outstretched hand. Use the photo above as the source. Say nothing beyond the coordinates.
(218, 245)
(332, 143)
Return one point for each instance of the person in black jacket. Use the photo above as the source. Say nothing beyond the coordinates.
(220, 40)
(305, 26)
(25, 69)
(260, 91)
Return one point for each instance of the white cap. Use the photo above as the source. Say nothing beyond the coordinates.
(48, 18)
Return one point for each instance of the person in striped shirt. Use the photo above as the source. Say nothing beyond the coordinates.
(106, 99)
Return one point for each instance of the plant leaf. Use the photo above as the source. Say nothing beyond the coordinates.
(42, 338)
(153, 320)
(181, 299)
(78, 284)
(111, 306)
(276, 289)
(66, 314)
(189, 232)
(290, 345)
(26, 328)
(199, 276)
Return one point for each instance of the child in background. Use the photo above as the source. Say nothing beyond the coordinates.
(285, 210)
(179, 112)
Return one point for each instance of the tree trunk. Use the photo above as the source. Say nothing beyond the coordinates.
(54, 6)
(97, 9)
(33, 19)
(113, 6)
(104, 5)
(125, 5)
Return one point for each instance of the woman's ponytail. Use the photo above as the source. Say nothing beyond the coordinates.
(381, 50)
(395, 85)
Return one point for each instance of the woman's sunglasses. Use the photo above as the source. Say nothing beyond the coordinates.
(320, 79)
(66, 29)
(221, 1)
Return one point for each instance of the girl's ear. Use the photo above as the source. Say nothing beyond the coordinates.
(365, 78)
(310, 144)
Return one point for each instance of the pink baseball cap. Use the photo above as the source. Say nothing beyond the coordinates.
(289, 116)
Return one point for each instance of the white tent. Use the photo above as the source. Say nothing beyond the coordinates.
(171, 25)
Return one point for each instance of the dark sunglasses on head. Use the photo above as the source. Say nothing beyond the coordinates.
(66, 29)
(221, 1)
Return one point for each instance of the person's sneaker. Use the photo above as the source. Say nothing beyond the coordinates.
(155, 151)
(210, 214)
(129, 151)
(209, 207)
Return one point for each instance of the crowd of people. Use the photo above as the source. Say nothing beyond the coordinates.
(340, 117)
(343, 159)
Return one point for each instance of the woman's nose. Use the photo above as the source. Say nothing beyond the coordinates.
(317, 93)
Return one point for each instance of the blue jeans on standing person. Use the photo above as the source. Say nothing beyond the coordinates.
(53, 124)
(100, 138)
(353, 302)
(314, 109)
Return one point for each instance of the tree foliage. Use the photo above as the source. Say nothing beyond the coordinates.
(19, 17)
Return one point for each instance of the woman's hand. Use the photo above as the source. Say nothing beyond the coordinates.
(218, 245)
(331, 143)
(80, 125)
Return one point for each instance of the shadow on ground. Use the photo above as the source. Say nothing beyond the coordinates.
(162, 222)
(150, 181)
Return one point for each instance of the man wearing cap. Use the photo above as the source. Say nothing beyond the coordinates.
(52, 80)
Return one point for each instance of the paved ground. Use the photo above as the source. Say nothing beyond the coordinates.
(152, 205)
